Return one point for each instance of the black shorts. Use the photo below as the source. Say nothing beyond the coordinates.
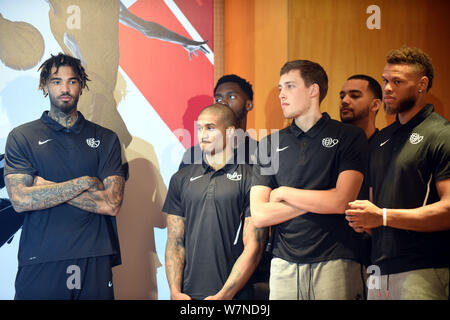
(85, 279)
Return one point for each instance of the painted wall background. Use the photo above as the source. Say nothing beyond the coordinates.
(146, 89)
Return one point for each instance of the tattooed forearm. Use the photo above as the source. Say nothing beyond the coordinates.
(25, 196)
(254, 240)
(175, 252)
(106, 198)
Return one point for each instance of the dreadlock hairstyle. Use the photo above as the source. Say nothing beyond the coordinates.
(58, 61)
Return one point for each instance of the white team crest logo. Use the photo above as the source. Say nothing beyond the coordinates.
(329, 142)
(415, 138)
(234, 177)
(91, 142)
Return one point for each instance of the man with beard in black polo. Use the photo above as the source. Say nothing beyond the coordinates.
(410, 175)
(212, 246)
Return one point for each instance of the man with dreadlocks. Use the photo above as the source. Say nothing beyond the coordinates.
(64, 174)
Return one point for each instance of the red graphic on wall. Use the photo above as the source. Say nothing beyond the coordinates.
(175, 86)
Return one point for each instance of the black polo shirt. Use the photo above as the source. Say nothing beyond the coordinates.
(364, 193)
(406, 163)
(312, 160)
(45, 148)
(214, 205)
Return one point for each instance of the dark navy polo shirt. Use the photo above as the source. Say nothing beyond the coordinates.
(45, 148)
(406, 162)
(214, 205)
(312, 160)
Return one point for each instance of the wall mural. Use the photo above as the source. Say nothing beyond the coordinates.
(151, 67)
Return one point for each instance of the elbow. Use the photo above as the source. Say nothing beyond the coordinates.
(259, 223)
(341, 207)
(17, 205)
(109, 208)
(258, 219)
(114, 211)
(113, 206)
(17, 208)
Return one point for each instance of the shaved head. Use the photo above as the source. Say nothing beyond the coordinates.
(226, 116)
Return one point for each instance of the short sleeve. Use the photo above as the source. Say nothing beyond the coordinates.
(17, 158)
(172, 204)
(110, 157)
(354, 152)
(264, 169)
(441, 155)
(248, 184)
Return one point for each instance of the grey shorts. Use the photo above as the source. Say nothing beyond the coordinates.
(421, 284)
(328, 280)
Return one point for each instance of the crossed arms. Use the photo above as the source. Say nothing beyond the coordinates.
(28, 193)
(271, 207)
(253, 238)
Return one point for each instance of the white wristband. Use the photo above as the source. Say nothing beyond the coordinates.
(384, 217)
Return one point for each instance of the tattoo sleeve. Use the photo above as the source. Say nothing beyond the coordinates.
(107, 200)
(25, 196)
(175, 251)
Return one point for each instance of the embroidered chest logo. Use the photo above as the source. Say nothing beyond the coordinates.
(234, 177)
(415, 138)
(329, 142)
(44, 142)
(195, 178)
(91, 142)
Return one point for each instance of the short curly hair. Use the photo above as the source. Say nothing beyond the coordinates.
(242, 83)
(415, 57)
(62, 60)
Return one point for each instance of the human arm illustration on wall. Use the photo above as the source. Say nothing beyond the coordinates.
(152, 29)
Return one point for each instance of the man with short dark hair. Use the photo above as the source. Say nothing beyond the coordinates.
(314, 166)
(212, 245)
(360, 100)
(410, 175)
(236, 93)
(64, 174)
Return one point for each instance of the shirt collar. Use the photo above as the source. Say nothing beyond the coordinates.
(54, 125)
(230, 166)
(418, 118)
(314, 131)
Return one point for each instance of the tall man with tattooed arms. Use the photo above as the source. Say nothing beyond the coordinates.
(212, 245)
(64, 174)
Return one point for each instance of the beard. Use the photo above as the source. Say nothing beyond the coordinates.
(403, 105)
(66, 107)
(354, 117)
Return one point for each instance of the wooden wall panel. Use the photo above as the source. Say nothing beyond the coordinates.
(255, 46)
(335, 34)
(260, 35)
